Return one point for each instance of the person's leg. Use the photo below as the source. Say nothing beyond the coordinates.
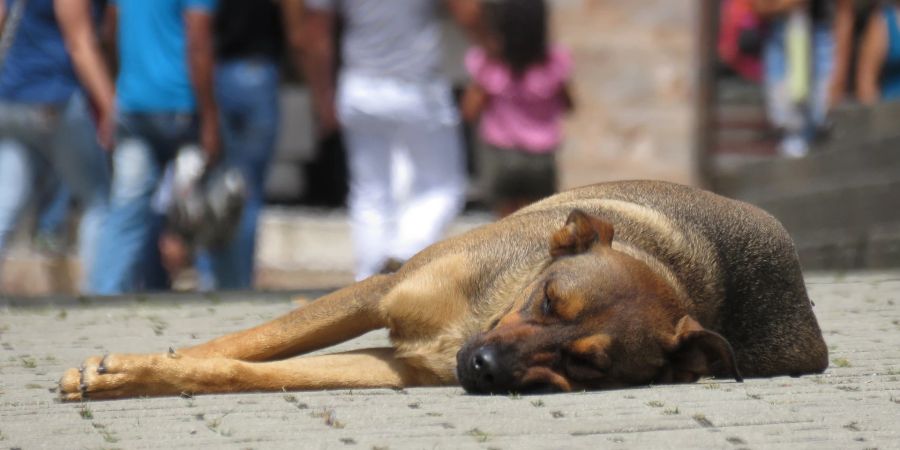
(823, 64)
(783, 113)
(166, 133)
(16, 179)
(82, 166)
(154, 276)
(437, 190)
(54, 204)
(248, 98)
(129, 224)
(367, 134)
(53, 208)
(370, 201)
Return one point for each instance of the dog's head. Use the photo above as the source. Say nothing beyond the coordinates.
(595, 318)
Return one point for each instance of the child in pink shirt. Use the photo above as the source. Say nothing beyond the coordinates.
(519, 90)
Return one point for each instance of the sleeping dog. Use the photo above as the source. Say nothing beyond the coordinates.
(609, 285)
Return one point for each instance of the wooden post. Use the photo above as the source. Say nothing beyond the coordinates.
(704, 136)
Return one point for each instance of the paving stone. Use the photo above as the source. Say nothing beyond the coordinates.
(854, 404)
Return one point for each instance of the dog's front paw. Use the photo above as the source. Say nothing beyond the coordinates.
(114, 376)
(71, 385)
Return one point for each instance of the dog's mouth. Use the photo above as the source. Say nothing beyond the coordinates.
(537, 381)
(489, 369)
(545, 380)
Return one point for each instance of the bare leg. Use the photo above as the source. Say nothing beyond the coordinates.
(120, 376)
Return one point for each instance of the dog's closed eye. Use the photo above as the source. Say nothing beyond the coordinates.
(547, 305)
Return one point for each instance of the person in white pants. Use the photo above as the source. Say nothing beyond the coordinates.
(382, 117)
(391, 102)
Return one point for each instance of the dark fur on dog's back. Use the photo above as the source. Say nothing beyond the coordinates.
(607, 285)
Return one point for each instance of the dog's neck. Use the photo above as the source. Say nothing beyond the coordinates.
(658, 267)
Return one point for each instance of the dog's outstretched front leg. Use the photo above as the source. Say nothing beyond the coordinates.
(336, 317)
(220, 364)
(120, 376)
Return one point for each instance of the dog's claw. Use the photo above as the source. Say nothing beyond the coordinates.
(101, 368)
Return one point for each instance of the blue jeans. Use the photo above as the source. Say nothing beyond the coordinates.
(36, 141)
(247, 93)
(799, 122)
(54, 208)
(145, 143)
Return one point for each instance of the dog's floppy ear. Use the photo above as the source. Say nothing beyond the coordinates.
(696, 352)
(580, 233)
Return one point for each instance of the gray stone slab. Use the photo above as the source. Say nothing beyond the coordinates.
(868, 162)
(854, 404)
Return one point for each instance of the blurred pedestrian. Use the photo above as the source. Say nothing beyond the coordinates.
(520, 90)
(390, 98)
(798, 57)
(878, 70)
(739, 43)
(164, 101)
(250, 44)
(45, 126)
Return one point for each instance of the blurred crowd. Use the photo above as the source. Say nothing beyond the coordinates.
(159, 119)
(811, 56)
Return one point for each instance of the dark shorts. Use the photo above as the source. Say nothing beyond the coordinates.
(515, 174)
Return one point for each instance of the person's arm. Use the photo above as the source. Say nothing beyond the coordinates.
(2, 15)
(843, 39)
(872, 51)
(109, 29)
(473, 102)
(769, 8)
(467, 14)
(201, 63)
(292, 17)
(568, 98)
(318, 65)
(74, 18)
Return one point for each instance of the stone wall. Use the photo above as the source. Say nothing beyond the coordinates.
(842, 202)
(635, 89)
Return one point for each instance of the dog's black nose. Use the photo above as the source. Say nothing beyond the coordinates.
(486, 371)
(484, 362)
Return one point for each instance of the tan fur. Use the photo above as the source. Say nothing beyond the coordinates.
(615, 308)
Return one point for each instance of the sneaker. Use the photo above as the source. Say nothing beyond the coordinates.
(793, 147)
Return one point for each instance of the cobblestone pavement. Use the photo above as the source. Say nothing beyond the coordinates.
(855, 404)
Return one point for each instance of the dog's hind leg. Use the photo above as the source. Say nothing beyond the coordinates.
(120, 376)
(336, 317)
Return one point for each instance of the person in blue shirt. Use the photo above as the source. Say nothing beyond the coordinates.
(164, 100)
(47, 48)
